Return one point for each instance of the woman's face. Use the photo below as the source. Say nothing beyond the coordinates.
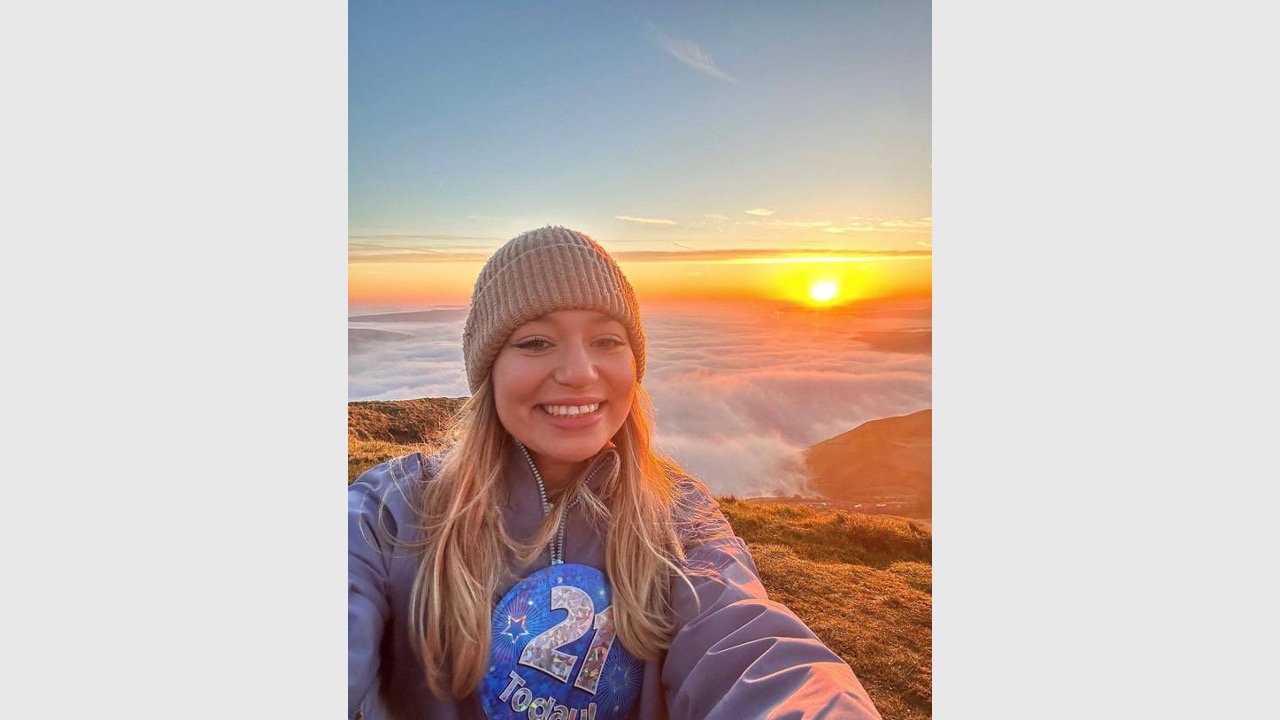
(563, 385)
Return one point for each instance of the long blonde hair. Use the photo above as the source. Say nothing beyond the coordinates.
(465, 545)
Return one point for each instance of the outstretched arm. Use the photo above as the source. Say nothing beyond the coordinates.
(737, 654)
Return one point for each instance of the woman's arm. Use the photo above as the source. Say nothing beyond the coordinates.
(737, 654)
(367, 604)
(374, 502)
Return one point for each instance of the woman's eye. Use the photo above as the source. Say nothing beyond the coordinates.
(533, 344)
(611, 342)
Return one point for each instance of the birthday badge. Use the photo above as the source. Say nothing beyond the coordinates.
(553, 655)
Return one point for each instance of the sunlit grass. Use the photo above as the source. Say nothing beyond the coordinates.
(862, 583)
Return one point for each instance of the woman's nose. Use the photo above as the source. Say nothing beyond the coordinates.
(576, 368)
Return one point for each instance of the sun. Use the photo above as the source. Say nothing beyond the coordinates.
(823, 291)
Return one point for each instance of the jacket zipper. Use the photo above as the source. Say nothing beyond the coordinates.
(556, 547)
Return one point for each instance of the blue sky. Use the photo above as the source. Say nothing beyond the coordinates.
(711, 125)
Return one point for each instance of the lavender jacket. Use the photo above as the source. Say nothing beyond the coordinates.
(736, 654)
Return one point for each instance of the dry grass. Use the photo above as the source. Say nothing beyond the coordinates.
(402, 421)
(379, 430)
(832, 535)
(364, 454)
(862, 583)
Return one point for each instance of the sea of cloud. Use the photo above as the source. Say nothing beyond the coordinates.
(740, 390)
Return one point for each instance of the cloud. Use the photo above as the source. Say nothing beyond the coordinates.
(862, 225)
(716, 216)
(688, 52)
(687, 255)
(763, 212)
(647, 221)
(386, 248)
(421, 359)
(908, 224)
(766, 256)
(769, 222)
(740, 389)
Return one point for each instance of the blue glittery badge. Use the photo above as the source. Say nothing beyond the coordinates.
(555, 655)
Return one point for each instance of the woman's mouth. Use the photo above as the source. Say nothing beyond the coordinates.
(570, 411)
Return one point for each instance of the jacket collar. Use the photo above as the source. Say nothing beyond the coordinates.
(522, 487)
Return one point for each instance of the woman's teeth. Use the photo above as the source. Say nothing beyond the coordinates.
(570, 410)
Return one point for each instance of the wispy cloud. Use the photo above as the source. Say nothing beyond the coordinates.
(786, 223)
(690, 255)
(716, 216)
(644, 220)
(408, 237)
(412, 248)
(688, 52)
(863, 225)
(762, 212)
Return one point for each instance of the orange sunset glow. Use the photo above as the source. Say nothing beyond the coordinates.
(809, 280)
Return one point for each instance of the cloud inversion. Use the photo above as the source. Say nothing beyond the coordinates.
(740, 389)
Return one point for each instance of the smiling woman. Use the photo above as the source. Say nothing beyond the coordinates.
(563, 385)
(552, 563)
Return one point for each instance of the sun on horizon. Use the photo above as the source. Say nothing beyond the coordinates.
(823, 291)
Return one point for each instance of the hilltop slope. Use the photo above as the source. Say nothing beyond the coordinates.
(888, 461)
(423, 420)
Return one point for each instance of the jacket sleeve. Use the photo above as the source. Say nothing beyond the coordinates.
(371, 527)
(737, 654)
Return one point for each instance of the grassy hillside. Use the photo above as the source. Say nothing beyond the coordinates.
(862, 583)
(402, 421)
(379, 430)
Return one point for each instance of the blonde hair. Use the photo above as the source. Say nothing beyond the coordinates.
(465, 546)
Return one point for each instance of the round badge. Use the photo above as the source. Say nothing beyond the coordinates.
(554, 653)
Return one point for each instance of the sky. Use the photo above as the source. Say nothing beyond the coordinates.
(718, 150)
(761, 172)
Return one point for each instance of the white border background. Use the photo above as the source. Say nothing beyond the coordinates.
(175, 280)
(1104, 371)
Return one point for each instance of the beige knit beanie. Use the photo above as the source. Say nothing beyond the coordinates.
(541, 271)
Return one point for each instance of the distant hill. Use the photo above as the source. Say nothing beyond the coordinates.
(919, 342)
(885, 465)
(439, 315)
(358, 339)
